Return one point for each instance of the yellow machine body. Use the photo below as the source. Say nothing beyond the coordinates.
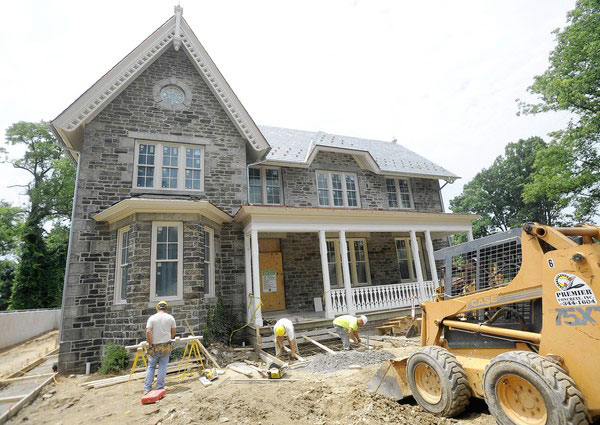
(566, 276)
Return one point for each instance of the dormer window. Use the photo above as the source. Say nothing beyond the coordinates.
(337, 189)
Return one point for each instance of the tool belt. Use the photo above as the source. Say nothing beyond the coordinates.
(164, 348)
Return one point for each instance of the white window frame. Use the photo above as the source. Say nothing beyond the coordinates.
(153, 261)
(398, 195)
(119, 264)
(352, 263)
(263, 185)
(411, 262)
(211, 264)
(158, 165)
(344, 188)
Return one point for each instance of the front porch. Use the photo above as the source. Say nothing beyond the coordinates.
(313, 264)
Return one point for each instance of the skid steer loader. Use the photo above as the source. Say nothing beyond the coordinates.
(529, 345)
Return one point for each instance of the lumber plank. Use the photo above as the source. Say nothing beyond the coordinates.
(12, 398)
(208, 355)
(267, 358)
(287, 350)
(265, 380)
(318, 344)
(29, 397)
(25, 378)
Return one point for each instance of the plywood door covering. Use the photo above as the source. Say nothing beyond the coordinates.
(271, 263)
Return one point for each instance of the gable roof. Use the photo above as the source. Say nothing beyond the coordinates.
(298, 148)
(70, 123)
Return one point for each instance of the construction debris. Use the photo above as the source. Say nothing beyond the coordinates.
(329, 363)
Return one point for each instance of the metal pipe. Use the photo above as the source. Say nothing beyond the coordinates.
(578, 231)
(492, 330)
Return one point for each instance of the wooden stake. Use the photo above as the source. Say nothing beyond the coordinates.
(318, 344)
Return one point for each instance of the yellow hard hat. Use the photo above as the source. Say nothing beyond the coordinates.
(280, 330)
(162, 305)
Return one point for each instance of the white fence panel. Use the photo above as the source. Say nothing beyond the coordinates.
(21, 325)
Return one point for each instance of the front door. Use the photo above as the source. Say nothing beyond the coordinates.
(272, 293)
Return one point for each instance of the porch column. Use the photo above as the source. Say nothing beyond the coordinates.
(432, 267)
(250, 302)
(346, 273)
(325, 268)
(417, 260)
(470, 234)
(256, 278)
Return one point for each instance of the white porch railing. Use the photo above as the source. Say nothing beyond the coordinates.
(382, 297)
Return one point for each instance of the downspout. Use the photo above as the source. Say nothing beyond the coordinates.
(71, 232)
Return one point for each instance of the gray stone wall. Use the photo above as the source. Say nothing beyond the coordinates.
(106, 173)
(300, 186)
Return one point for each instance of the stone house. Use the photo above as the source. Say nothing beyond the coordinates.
(181, 196)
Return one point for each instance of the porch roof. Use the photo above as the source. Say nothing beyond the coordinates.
(130, 206)
(298, 219)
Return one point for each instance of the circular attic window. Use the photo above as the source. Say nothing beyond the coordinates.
(172, 95)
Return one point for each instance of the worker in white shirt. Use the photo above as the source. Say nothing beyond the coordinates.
(285, 328)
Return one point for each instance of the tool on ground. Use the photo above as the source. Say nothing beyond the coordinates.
(522, 331)
(153, 396)
(211, 374)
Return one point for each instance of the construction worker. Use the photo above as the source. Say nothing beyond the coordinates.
(160, 329)
(346, 327)
(285, 328)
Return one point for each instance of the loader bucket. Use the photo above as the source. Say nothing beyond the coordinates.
(390, 380)
(415, 329)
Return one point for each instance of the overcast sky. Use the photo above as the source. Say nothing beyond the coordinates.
(442, 77)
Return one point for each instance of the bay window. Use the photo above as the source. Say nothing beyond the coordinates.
(337, 189)
(122, 265)
(166, 279)
(209, 261)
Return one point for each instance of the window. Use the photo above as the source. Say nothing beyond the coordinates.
(264, 186)
(358, 261)
(209, 262)
(399, 193)
(169, 166)
(406, 263)
(166, 279)
(122, 265)
(337, 189)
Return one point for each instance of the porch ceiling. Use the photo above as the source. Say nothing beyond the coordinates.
(296, 219)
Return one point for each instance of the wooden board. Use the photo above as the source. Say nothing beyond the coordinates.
(272, 292)
(269, 245)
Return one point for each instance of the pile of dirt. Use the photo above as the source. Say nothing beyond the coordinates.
(329, 363)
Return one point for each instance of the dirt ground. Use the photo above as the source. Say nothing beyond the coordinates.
(336, 398)
(14, 358)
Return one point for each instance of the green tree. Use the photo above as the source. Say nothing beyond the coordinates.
(50, 192)
(57, 244)
(496, 193)
(30, 287)
(569, 169)
(7, 275)
(10, 221)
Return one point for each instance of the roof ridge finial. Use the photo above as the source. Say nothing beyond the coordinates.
(177, 38)
(394, 140)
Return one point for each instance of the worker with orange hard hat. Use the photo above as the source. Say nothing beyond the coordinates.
(285, 328)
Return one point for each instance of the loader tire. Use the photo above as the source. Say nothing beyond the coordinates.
(438, 382)
(525, 388)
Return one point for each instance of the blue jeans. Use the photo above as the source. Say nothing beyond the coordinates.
(153, 359)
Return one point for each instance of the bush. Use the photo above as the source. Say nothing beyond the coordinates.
(220, 323)
(115, 359)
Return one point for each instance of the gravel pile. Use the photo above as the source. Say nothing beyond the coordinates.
(328, 363)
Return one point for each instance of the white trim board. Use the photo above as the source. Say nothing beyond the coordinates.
(70, 123)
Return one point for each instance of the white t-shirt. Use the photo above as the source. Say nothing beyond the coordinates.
(161, 324)
(288, 326)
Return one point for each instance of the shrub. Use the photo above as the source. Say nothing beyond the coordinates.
(220, 323)
(115, 359)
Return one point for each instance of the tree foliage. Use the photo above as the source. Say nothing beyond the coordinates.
(37, 235)
(496, 193)
(569, 170)
(7, 276)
